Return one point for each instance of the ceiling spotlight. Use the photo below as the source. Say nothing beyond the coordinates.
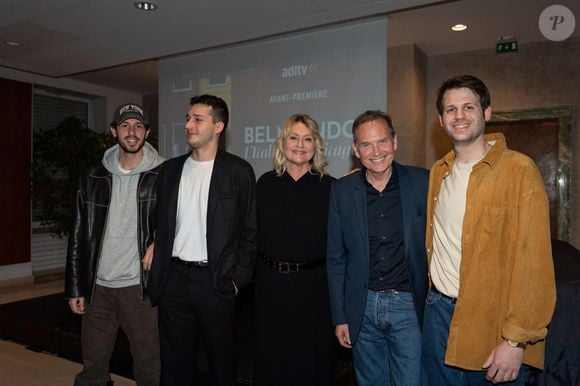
(146, 5)
(12, 43)
(459, 27)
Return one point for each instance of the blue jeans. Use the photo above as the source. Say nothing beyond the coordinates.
(387, 351)
(438, 313)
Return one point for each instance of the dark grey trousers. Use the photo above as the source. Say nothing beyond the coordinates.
(112, 308)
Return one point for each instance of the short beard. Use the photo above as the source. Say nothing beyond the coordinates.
(131, 151)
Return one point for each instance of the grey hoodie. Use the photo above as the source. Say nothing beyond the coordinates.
(119, 263)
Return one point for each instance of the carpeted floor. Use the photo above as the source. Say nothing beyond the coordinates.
(47, 324)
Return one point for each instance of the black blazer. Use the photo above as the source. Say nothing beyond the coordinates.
(231, 224)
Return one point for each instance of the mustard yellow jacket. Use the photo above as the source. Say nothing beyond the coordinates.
(507, 288)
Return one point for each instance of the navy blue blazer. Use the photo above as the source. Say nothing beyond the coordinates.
(347, 252)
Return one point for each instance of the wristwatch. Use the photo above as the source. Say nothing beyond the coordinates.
(512, 343)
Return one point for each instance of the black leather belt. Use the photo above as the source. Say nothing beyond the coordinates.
(191, 264)
(452, 300)
(291, 266)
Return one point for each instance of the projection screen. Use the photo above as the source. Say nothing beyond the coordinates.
(332, 74)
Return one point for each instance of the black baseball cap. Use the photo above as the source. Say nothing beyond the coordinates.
(129, 110)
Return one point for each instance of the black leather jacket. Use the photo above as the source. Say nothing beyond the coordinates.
(85, 240)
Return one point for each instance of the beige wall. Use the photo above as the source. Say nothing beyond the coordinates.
(407, 71)
(542, 74)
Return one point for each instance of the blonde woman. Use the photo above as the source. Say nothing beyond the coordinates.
(294, 338)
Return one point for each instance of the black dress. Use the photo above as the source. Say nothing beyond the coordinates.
(294, 333)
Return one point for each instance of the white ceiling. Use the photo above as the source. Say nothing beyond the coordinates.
(111, 43)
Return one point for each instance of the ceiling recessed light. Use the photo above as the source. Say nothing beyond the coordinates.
(12, 43)
(146, 5)
(459, 27)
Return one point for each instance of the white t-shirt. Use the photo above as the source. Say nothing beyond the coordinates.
(191, 223)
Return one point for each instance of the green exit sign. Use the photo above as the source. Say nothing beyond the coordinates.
(502, 47)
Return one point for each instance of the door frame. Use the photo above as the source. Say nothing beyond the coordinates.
(564, 115)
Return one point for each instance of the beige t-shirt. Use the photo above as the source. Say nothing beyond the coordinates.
(447, 227)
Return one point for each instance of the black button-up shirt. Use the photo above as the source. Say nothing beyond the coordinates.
(388, 268)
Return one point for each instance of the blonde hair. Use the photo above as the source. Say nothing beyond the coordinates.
(318, 163)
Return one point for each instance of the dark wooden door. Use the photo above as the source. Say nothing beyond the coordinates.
(539, 140)
(15, 158)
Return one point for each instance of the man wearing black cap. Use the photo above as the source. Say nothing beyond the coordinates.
(108, 252)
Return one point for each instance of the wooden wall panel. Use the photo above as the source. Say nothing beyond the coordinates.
(539, 140)
(15, 158)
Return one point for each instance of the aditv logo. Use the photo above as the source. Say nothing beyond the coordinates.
(298, 70)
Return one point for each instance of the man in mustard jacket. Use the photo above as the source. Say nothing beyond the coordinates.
(488, 244)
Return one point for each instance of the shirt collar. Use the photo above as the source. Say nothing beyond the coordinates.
(394, 175)
(491, 158)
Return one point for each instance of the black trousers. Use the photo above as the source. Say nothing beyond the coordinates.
(189, 310)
